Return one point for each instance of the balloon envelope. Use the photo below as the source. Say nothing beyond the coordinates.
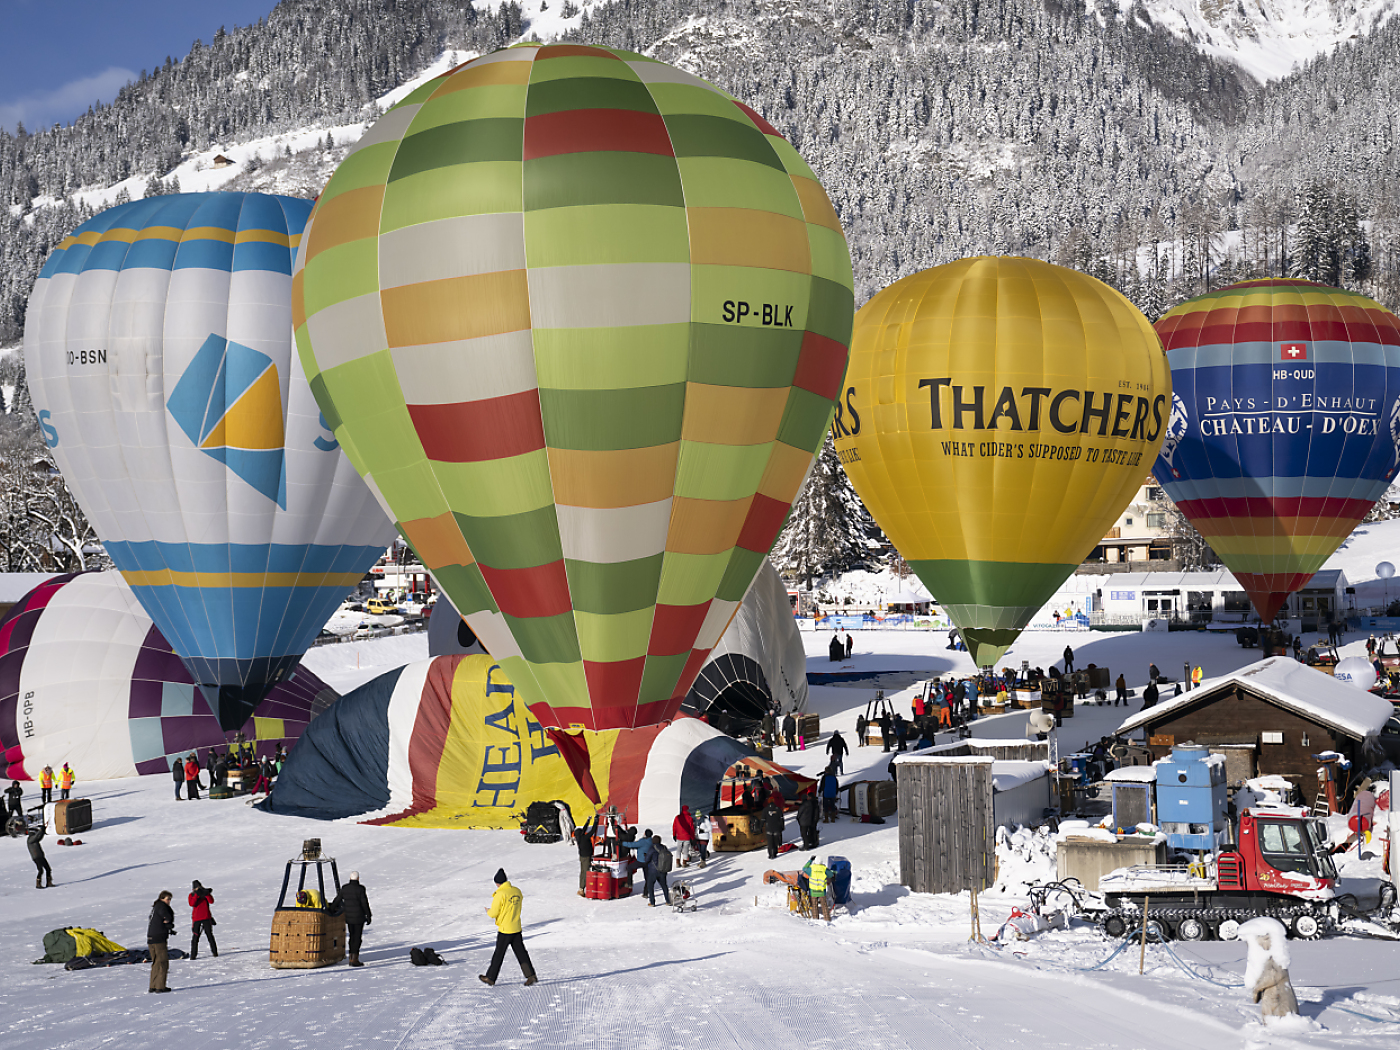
(579, 317)
(1385, 570)
(1285, 425)
(87, 678)
(158, 350)
(998, 415)
(1356, 670)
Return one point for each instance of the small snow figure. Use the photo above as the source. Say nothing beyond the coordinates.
(1266, 971)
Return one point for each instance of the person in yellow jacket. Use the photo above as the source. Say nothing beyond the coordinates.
(46, 785)
(505, 909)
(1196, 677)
(65, 780)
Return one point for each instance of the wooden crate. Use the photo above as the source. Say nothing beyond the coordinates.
(809, 727)
(305, 938)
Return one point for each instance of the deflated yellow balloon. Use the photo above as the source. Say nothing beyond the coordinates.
(998, 415)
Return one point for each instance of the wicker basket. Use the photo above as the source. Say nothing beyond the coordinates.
(305, 938)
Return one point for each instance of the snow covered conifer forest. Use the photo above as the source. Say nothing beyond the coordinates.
(1086, 136)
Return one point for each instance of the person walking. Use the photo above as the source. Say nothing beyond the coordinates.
(773, 825)
(353, 903)
(505, 908)
(14, 801)
(1069, 660)
(35, 841)
(836, 747)
(65, 780)
(1121, 685)
(583, 840)
(200, 919)
(158, 930)
(850, 644)
(192, 777)
(807, 820)
(683, 831)
(46, 785)
(790, 731)
(177, 771)
(862, 724)
(702, 837)
(662, 861)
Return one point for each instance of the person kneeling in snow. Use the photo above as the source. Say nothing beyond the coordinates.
(505, 909)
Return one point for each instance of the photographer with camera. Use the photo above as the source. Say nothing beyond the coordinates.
(200, 919)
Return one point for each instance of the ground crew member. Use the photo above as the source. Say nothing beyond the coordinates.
(353, 903)
(862, 724)
(1196, 677)
(773, 825)
(14, 795)
(36, 854)
(46, 785)
(505, 909)
(790, 731)
(65, 781)
(814, 875)
(1121, 685)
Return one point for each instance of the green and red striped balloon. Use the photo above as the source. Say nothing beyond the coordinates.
(580, 319)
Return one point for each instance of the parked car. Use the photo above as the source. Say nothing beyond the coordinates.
(380, 607)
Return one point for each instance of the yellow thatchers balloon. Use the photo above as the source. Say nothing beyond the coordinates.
(998, 415)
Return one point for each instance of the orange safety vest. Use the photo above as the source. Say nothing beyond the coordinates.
(66, 779)
(1196, 676)
(46, 779)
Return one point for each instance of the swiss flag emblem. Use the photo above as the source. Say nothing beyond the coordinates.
(1293, 351)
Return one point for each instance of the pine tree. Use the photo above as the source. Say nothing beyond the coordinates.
(827, 530)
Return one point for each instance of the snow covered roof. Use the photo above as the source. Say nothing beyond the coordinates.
(1293, 686)
(1220, 578)
(1133, 774)
(1012, 773)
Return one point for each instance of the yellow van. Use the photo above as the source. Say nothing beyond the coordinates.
(379, 607)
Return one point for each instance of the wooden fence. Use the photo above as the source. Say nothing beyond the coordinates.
(973, 747)
(947, 838)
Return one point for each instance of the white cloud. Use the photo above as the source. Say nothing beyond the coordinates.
(63, 103)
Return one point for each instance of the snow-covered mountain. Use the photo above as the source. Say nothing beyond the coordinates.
(1267, 38)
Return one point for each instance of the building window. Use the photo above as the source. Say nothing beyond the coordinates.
(1127, 521)
(1156, 521)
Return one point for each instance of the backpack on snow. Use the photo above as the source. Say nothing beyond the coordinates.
(425, 957)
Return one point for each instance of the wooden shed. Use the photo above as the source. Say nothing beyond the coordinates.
(948, 813)
(1269, 718)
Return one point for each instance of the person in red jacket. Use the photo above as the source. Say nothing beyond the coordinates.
(192, 777)
(683, 831)
(201, 920)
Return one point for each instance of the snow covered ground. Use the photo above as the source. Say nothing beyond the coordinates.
(896, 969)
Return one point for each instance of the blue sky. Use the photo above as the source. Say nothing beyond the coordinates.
(57, 57)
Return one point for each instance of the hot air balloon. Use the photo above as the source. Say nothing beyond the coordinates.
(998, 415)
(86, 678)
(1285, 424)
(579, 318)
(158, 347)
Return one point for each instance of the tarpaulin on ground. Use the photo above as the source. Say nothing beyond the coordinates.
(71, 942)
(447, 742)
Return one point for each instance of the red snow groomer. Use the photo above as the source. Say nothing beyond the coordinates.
(1278, 866)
